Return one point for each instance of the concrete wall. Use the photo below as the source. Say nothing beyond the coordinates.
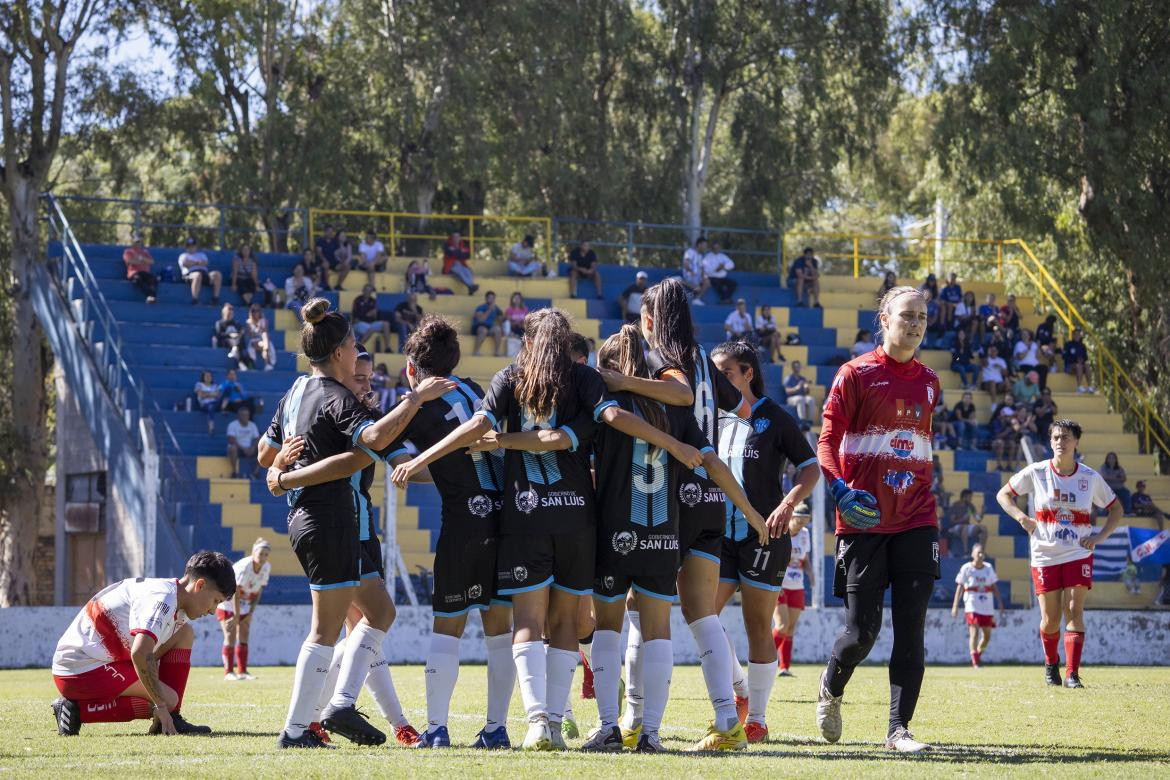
(1114, 638)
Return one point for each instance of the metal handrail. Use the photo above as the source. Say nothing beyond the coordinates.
(857, 255)
(632, 247)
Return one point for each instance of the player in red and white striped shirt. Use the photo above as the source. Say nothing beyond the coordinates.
(976, 584)
(875, 451)
(1063, 493)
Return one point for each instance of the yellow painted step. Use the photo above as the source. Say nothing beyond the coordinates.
(999, 547)
(1113, 595)
(1013, 569)
(1021, 591)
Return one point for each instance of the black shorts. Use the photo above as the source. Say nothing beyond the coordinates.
(533, 561)
(204, 272)
(865, 561)
(465, 573)
(747, 563)
(245, 285)
(370, 558)
(327, 548)
(695, 539)
(613, 587)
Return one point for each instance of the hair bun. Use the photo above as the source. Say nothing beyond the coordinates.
(315, 310)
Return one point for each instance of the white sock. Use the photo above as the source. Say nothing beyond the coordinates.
(587, 651)
(501, 673)
(362, 647)
(330, 679)
(561, 666)
(607, 670)
(531, 671)
(442, 671)
(760, 680)
(658, 661)
(312, 666)
(739, 681)
(715, 658)
(633, 715)
(381, 686)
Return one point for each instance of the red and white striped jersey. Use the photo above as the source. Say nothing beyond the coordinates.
(104, 628)
(978, 586)
(876, 436)
(248, 584)
(1062, 505)
(801, 552)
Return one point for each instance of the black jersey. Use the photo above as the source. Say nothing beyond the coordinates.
(755, 450)
(330, 418)
(548, 492)
(637, 507)
(702, 501)
(468, 484)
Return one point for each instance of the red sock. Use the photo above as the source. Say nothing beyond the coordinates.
(228, 652)
(1074, 641)
(778, 638)
(975, 655)
(242, 657)
(1051, 644)
(786, 651)
(117, 710)
(173, 669)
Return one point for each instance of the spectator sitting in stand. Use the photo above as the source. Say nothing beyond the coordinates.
(1076, 362)
(1005, 441)
(329, 257)
(934, 322)
(988, 310)
(138, 264)
(417, 277)
(804, 277)
(366, 322)
(207, 398)
(242, 436)
(407, 315)
(232, 396)
(1009, 316)
(863, 344)
(1001, 340)
(229, 334)
(967, 318)
(456, 252)
(1026, 390)
(631, 298)
(487, 320)
(257, 342)
(380, 384)
(715, 266)
(371, 257)
(693, 276)
(964, 521)
(1026, 355)
(583, 265)
(514, 316)
(1046, 338)
(344, 257)
(768, 335)
(797, 392)
(964, 421)
(522, 259)
(964, 359)
(196, 268)
(1142, 504)
(889, 282)
(931, 285)
(245, 273)
(1114, 475)
(994, 368)
(950, 297)
(298, 289)
(316, 269)
(738, 325)
(1046, 412)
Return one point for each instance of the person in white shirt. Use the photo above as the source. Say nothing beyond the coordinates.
(235, 614)
(994, 368)
(242, 435)
(975, 584)
(522, 259)
(298, 289)
(738, 325)
(196, 268)
(768, 335)
(694, 277)
(864, 344)
(371, 256)
(715, 266)
(127, 653)
(1059, 524)
(790, 602)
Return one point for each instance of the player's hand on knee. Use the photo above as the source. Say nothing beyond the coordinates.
(859, 508)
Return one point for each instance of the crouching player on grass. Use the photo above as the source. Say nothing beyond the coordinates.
(127, 654)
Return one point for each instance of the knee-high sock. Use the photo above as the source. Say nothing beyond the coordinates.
(501, 671)
(909, 597)
(739, 681)
(658, 662)
(863, 621)
(561, 666)
(229, 655)
(760, 680)
(715, 658)
(312, 667)
(532, 672)
(380, 684)
(1051, 645)
(786, 651)
(362, 647)
(633, 671)
(777, 638)
(330, 679)
(607, 660)
(173, 669)
(242, 657)
(117, 710)
(442, 671)
(1074, 642)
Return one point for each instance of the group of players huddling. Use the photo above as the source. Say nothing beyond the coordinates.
(568, 490)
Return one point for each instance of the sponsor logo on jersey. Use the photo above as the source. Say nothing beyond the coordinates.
(907, 409)
(1083, 484)
(480, 506)
(902, 445)
(607, 582)
(562, 498)
(1086, 570)
(760, 424)
(934, 551)
(930, 394)
(899, 481)
(527, 500)
(520, 573)
(624, 542)
(475, 591)
(882, 383)
(690, 493)
(659, 542)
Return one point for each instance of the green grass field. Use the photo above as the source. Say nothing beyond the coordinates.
(999, 720)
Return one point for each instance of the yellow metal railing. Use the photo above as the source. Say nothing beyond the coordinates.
(902, 251)
(395, 226)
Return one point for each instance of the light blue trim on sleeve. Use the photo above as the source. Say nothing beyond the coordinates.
(706, 449)
(601, 407)
(811, 461)
(572, 437)
(491, 417)
(271, 442)
(357, 434)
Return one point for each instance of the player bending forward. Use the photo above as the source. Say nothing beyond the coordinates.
(976, 585)
(235, 614)
(127, 654)
(1062, 540)
(875, 451)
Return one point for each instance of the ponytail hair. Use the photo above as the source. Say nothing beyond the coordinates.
(543, 364)
(322, 332)
(623, 352)
(888, 300)
(674, 330)
(745, 355)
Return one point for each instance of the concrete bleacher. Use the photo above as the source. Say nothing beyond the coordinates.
(170, 343)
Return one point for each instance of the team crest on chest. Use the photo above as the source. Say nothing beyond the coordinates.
(760, 424)
(690, 493)
(480, 506)
(624, 542)
(527, 500)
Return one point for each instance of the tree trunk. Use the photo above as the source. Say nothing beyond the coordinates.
(276, 225)
(20, 503)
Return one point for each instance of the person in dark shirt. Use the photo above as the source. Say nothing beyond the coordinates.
(407, 316)
(366, 322)
(631, 298)
(950, 297)
(963, 418)
(583, 265)
(1076, 362)
(805, 276)
(325, 250)
(965, 360)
